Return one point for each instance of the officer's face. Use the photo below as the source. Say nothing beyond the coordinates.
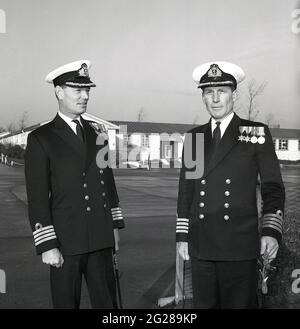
(219, 101)
(74, 100)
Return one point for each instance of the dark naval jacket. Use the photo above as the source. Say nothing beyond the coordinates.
(217, 213)
(73, 204)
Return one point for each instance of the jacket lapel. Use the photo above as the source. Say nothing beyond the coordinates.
(207, 144)
(90, 143)
(63, 130)
(228, 141)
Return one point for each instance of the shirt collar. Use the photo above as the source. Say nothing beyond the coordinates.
(224, 123)
(68, 120)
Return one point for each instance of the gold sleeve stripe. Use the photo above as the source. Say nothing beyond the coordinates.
(182, 220)
(44, 236)
(42, 229)
(182, 231)
(37, 235)
(45, 239)
(272, 226)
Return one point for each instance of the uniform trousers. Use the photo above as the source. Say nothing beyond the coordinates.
(97, 268)
(224, 284)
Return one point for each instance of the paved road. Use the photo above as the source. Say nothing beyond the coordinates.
(291, 178)
(146, 259)
(147, 255)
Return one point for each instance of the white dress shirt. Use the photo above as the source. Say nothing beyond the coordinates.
(70, 122)
(224, 123)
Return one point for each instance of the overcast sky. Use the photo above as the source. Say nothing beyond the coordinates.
(143, 54)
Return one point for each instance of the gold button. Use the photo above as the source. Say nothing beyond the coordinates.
(103, 194)
(85, 185)
(83, 174)
(202, 193)
(101, 171)
(203, 182)
(38, 226)
(87, 197)
(201, 204)
(104, 205)
(226, 205)
(201, 216)
(102, 182)
(226, 217)
(227, 193)
(88, 209)
(228, 181)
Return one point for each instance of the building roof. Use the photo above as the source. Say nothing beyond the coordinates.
(4, 133)
(27, 129)
(154, 127)
(86, 116)
(170, 128)
(108, 124)
(285, 133)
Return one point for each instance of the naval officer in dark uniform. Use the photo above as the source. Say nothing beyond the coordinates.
(73, 203)
(217, 224)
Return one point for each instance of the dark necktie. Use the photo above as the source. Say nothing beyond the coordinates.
(217, 134)
(79, 130)
(215, 141)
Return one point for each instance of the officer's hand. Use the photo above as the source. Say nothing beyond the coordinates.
(183, 250)
(53, 257)
(117, 238)
(269, 245)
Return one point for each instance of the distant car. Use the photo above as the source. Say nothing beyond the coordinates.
(165, 163)
(131, 164)
(159, 163)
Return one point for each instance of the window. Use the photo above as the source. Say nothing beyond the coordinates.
(125, 140)
(274, 143)
(168, 151)
(299, 144)
(145, 141)
(283, 144)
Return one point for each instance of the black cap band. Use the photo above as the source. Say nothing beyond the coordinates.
(216, 77)
(79, 78)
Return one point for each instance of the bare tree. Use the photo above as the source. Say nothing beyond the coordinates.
(254, 90)
(22, 123)
(271, 121)
(23, 120)
(11, 128)
(141, 115)
(2, 130)
(237, 103)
